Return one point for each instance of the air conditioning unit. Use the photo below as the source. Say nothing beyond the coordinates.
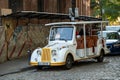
(76, 12)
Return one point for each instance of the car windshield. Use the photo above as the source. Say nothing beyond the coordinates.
(61, 33)
(104, 34)
(112, 35)
(109, 35)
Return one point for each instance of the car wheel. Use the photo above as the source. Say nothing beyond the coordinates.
(101, 57)
(39, 67)
(69, 62)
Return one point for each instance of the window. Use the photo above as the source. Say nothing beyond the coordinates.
(112, 35)
(61, 33)
(16, 5)
(41, 5)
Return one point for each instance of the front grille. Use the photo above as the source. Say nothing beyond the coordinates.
(46, 55)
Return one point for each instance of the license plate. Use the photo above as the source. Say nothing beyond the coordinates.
(43, 63)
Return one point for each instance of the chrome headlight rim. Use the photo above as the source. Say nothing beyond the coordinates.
(54, 52)
(39, 52)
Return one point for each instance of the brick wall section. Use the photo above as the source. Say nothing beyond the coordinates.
(52, 6)
(3, 4)
(21, 37)
(30, 5)
(86, 7)
(64, 6)
(49, 6)
(67, 6)
(78, 4)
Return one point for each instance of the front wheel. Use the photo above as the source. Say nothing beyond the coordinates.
(101, 57)
(38, 67)
(69, 62)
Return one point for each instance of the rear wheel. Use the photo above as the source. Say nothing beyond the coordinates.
(69, 62)
(101, 57)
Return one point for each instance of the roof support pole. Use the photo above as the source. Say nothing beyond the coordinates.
(84, 39)
(101, 29)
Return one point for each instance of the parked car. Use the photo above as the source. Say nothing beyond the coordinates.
(64, 47)
(112, 41)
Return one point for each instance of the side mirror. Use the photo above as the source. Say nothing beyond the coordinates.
(47, 38)
(29, 55)
(29, 51)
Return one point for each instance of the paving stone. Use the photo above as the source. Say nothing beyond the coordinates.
(84, 70)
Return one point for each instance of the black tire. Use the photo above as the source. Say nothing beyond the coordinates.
(101, 57)
(69, 62)
(39, 67)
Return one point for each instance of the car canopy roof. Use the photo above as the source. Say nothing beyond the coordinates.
(75, 23)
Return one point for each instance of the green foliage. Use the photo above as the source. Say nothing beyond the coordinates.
(111, 9)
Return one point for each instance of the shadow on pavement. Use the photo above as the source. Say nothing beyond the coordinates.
(112, 55)
(19, 71)
(75, 65)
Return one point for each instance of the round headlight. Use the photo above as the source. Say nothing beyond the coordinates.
(54, 52)
(38, 52)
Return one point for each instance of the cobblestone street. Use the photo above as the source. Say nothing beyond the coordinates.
(85, 70)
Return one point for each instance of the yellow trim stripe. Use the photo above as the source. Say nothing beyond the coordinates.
(33, 63)
(51, 64)
(57, 64)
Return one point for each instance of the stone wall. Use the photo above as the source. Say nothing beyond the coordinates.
(18, 37)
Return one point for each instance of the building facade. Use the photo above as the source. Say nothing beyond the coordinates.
(17, 36)
(52, 6)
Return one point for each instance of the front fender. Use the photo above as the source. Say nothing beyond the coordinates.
(34, 56)
(64, 53)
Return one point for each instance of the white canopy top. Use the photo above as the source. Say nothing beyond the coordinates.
(75, 23)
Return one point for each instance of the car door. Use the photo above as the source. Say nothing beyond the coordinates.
(117, 45)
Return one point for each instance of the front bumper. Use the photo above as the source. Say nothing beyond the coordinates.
(49, 64)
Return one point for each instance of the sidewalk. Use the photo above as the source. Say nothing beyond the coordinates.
(13, 66)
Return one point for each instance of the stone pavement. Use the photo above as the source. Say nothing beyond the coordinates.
(14, 65)
(85, 70)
